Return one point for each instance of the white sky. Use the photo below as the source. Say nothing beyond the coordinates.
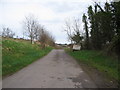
(50, 13)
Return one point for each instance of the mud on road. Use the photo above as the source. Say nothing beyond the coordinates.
(56, 70)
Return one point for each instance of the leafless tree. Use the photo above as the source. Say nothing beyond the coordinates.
(7, 32)
(72, 28)
(68, 29)
(46, 38)
(30, 24)
(43, 37)
(51, 41)
(36, 31)
(76, 25)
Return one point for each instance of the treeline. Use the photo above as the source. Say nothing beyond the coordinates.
(104, 27)
(7, 32)
(37, 32)
(104, 24)
(101, 27)
(34, 31)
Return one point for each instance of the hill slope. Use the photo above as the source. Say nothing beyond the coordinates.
(17, 54)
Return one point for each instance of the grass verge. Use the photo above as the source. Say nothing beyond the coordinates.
(96, 59)
(17, 54)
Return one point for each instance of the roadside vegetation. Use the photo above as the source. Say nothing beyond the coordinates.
(100, 41)
(96, 59)
(17, 54)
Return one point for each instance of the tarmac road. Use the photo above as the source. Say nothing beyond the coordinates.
(55, 70)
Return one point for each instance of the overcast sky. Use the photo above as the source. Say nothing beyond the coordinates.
(50, 13)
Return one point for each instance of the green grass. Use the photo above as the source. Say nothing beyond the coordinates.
(17, 54)
(97, 60)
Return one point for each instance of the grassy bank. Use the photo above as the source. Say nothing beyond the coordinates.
(98, 60)
(17, 54)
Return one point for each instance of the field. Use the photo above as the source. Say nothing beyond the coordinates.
(96, 59)
(17, 54)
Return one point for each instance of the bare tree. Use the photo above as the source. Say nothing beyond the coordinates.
(51, 41)
(43, 37)
(37, 32)
(72, 28)
(7, 32)
(46, 38)
(30, 24)
(68, 30)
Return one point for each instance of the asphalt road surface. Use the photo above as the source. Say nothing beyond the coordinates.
(55, 70)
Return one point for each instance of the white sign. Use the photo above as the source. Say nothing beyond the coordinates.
(76, 47)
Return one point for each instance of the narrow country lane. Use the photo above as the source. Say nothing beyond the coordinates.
(56, 70)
